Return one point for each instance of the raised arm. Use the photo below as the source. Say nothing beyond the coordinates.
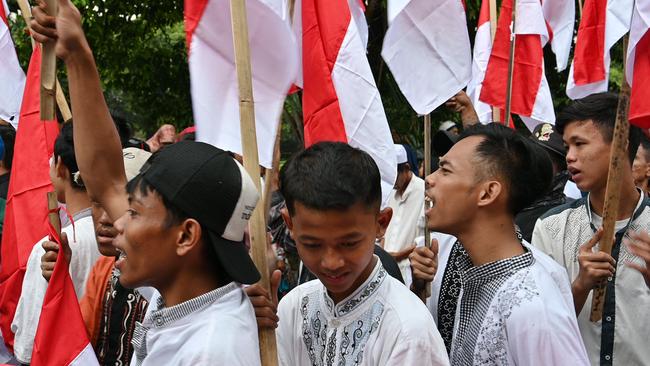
(97, 144)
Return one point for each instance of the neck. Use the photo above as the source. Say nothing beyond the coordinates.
(76, 201)
(627, 201)
(201, 279)
(407, 181)
(363, 277)
(491, 239)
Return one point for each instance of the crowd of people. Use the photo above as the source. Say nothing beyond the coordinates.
(155, 234)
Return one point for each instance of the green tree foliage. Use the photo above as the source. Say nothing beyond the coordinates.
(140, 50)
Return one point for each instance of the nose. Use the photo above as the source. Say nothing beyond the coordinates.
(429, 181)
(119, 223)
(105, 220)
(570, 155)
(332, 261)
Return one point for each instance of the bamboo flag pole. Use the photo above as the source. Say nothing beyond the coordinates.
(580, 8)
(496, 111)
(618, 160)
(268, 348)
(48, 72)
(511, 65)
(425, 293)
(61, 101)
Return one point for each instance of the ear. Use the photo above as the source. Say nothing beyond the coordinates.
(489, 193)
(287, 220)
(61, 170)
(383, 219)
(188, 236)
(647, 170)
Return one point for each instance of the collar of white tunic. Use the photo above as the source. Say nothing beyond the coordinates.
(362, 295)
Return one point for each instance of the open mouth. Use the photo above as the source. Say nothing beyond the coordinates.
(120, 259)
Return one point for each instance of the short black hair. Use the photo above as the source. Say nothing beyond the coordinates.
(601, 109)
(174, 216)
(523, 165)
(330, 176)
(403, 167)
(8, 135)
(64, 149)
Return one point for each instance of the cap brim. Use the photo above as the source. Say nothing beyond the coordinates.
(235, 260)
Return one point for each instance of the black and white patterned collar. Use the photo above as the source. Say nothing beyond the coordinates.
(490, 271)
(358, 297)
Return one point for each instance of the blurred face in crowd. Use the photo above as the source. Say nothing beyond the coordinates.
(587, 155)
(56, 171)
(337, 246)
(147, 246)
(403, 178)
(641, 168)
(453, 189)
(104, 231)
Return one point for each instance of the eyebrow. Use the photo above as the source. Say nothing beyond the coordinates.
(445, 163)
(134, 200)
(352, 236)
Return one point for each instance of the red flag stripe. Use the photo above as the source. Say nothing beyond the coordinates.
(588, 60)
(640, 96)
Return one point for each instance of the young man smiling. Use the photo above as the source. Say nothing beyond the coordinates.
(570, 234)
(180, 223)
(355, 314)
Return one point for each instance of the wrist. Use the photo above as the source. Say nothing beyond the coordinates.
(81, 54)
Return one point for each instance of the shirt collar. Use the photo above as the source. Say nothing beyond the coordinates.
(407, 191)
(637, 211)
(493, 270)
(358, 297)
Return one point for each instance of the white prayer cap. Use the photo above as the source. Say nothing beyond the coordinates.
(134, 159)
(400, 154)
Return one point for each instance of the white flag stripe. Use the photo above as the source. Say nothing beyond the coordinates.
(12, 76)
(560, 15)
(85, 358)
(482, 50)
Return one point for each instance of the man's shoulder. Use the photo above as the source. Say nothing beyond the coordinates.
(564, 209)
(293, 298)
(409, 312)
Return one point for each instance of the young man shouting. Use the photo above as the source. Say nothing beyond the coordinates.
(508, 308)
(570, 234)
(180, 223)
(354, 314)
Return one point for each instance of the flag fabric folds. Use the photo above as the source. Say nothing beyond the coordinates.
(26, 211)
(603, 23)
(428, 51)
(481, 56)
(531, 95)
(61, 337)
(12, 76)
(638, 65)
(214, 85)
(560, 16)
(340, 99)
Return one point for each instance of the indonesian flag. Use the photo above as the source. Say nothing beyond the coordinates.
(214, 85)
(12, 76)
(638, 65)
(61, 337)
(560, 16)
(428, 51)
(482, 51)
(340, 99)
(603, 23)
(26, 211)
(531, 95)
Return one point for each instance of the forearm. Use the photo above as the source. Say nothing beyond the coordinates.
(97, 145)
(469, 117)
(580, 295)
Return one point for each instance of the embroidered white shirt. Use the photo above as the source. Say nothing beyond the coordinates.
(511, 312)
(407, 222)
(216, 328)
(621, 337)
(84, 255)
(381, 323)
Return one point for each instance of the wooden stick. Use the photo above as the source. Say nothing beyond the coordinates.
(48, 73)
(61, 101)
(618, 161)
(268, 347)
(53, 216)
(271, 173)
(496, 111)
(580, 8)
(511, 65)
(425, 293)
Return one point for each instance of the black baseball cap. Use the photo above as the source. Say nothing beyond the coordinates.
(547, 137)
(211, 187)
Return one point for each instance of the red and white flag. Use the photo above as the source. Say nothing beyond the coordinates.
(26, 211)
(11, 75)
(638, 65)
(481, 56)
(428, 51)
(340, 99)
(560, 16)
(531, 95)
(603, 23)
(61, 337)
(215, 93)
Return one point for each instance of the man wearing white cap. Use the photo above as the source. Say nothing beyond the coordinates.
(407, 202)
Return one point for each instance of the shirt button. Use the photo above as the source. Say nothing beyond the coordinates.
(609, 318)
(608, 357)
